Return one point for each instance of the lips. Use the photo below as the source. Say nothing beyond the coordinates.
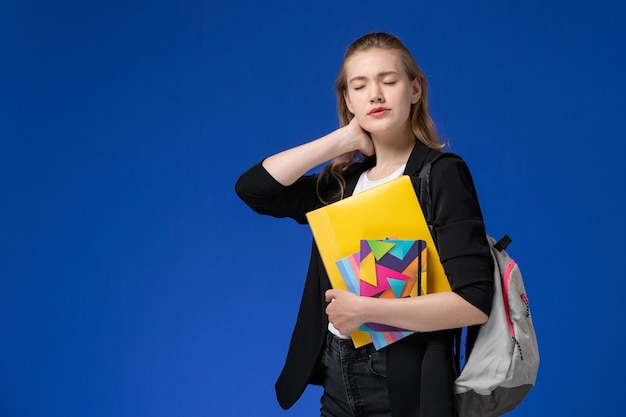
(378, 111)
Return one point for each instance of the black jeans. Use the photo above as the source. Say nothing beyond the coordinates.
(355, 381)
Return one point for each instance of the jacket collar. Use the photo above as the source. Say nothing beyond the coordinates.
(417, 158)
(413, 166)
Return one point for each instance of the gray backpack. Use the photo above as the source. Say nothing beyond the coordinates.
(504, 360)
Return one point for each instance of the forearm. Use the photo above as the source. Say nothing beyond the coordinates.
(287, 166)
(426, 313)
(431, 312)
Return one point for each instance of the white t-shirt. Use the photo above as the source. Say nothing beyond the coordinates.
(363, 184)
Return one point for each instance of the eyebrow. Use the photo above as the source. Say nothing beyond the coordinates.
(379, 75)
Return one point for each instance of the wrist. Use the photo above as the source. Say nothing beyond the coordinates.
(365, 305)
(343, 140)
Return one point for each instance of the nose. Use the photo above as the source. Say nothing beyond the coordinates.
(377, 96)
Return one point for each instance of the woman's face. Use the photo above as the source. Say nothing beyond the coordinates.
(379, 92)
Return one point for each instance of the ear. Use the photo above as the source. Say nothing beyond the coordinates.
(416, 91)
(346, 97)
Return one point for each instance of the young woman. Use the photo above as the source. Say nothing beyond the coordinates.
(386, 132)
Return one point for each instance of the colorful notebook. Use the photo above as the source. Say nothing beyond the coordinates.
(386, 269)
(390, 209)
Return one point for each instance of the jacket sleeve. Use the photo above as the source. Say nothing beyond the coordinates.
(460, 232)
(263, 194)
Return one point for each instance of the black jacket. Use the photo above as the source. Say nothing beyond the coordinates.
(420, 369)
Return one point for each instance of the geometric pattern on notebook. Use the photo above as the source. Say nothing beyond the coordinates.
(387, 268)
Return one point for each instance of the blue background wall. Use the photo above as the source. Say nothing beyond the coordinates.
(133, 282)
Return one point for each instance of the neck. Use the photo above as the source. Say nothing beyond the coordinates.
(393, 148)
(391, 153)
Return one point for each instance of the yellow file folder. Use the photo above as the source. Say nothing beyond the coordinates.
(390, 210)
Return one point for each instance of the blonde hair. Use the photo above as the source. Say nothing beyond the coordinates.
(422, 124)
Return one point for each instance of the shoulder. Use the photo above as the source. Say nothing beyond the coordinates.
(438, 168)
(446, 160)
(449, 167)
